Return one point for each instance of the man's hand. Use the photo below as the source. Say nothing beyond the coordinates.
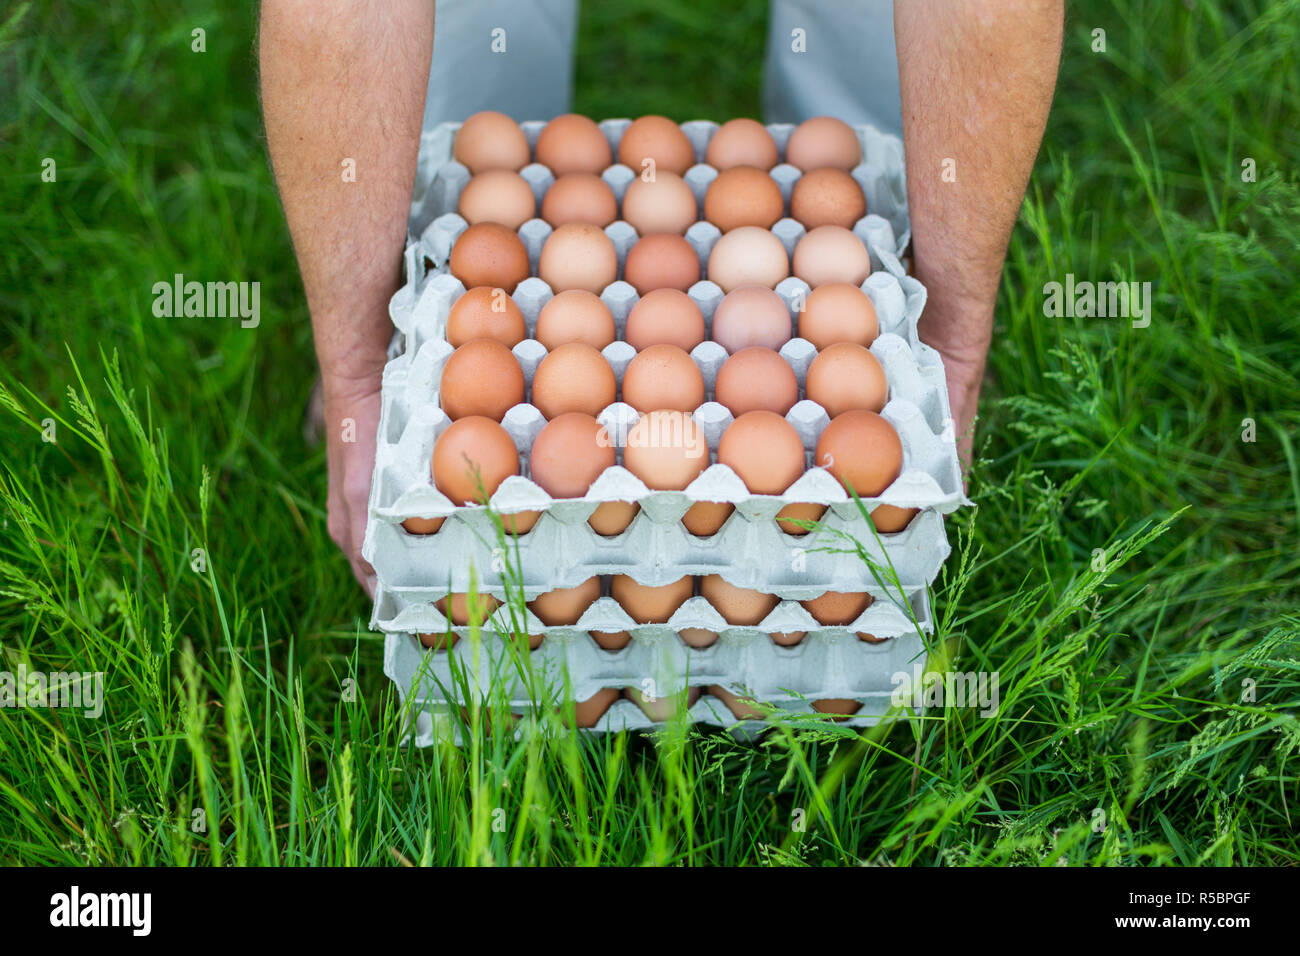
(343, 88)
(965, 376)
(977, 78)
(351, 418)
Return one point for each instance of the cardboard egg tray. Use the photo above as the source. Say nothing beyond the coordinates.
(749, 551)
(432, 719)
(562, 550)
(830, 663)
(440, 179)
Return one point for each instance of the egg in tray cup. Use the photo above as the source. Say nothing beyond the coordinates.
(662, 382)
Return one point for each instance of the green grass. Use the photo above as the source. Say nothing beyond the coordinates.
(228, 689)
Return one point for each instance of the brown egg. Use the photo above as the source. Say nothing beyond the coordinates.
(490, 140)
(743, 708)
(462, 607)
(489, 254)
(482, 377)
(838, 312)
(862, 451)
(705, 517)
(574, 378)
(500, 196)
(565, 605)
(573, 144)
(663, 709)
(587, 712)
(666, 450)
(580, 197)
(766, 453)
(419, 525)
(748, 255)
(889, 519)
(578, 256)
(740, 606)
(764, 450)
(662, 261)
(486, 313)
(839, 706)
(575, 315)
(471, 458)
(751, 316)
(823, 141)
(438, 642)
(611, 640)
(742, 142)
(743, 196)
(845, 376)
(651, 605)
(520, 522)
(831, 254)
(568, 454)
(697, 637)
(756, 378)
(827, 197)
(788, 638)
(836, 608)
(664, 205)
(657, 138)
(805, 511)
(663, 377)
(665, 317)
(613, 517)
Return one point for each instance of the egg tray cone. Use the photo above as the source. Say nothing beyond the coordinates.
(440, 179)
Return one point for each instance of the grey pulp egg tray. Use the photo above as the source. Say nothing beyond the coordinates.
(749, 550)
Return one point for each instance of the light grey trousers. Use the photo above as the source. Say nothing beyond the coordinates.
(824, 57)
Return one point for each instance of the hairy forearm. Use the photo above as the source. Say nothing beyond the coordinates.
(977, 78)
(343, 87)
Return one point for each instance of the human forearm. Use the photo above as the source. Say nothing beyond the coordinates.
(977, 78)
(345, 80)
(343, 85)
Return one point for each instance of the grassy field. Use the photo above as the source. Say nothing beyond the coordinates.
(1154, 689)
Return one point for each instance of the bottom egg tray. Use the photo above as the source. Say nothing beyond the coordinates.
(827, 662)
(433, 720)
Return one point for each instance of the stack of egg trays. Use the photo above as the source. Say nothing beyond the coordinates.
(749, 551)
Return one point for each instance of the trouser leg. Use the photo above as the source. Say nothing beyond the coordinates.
(832, 58)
